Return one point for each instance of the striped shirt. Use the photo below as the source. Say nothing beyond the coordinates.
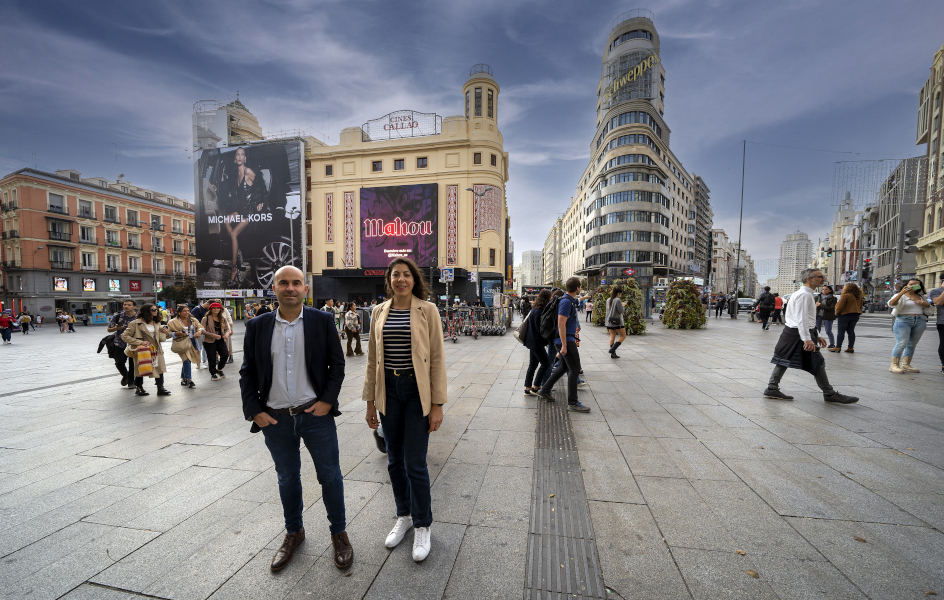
(397, 349)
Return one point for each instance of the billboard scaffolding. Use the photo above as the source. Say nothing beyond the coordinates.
(862, 183)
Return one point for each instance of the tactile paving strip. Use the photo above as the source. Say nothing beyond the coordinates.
(562, 556)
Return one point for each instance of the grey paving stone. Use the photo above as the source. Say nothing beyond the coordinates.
(401, 577)
(140, 444)
(155, 466)
(475, 446)
(664, 425)
(683, 517)
(455, 491)
(607, 477)
(625, 422)
(798, 579)
(490, 565)
(593, 436)
(504, 419)
(513, 449)
(95, 592)
(927, 507)
(814, 431)
(712, 575)
(646, 456)
(873, 567)
(256, 580)
(920, 545)
(635, 561)
(325, 581)
(882, 469)
(695, 461)
(504, 499)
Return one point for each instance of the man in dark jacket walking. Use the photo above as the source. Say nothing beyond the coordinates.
(765, 304)
(290, 379)
(719, 305)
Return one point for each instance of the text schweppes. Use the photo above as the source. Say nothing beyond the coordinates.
(631, 75)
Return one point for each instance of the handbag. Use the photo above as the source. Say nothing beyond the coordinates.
(521, 333)
(613, 321)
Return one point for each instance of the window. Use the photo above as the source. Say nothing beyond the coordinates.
(88, 261)
(477, 158)
(422, 163)
(103, 183)
(491, 257)
(111, 239)
(113, 263)
(178, 247)
(134, 264)
(398, 164)
(133, 241)
(193, 269)
(329, 170)
(57, 204)
(111, 214)
(132, 217)
(61, 258)
(491, 105)
(85, 209)
(190, 228)
(467, 105)
(177, 226)
(475, 256)
(178, 267)
(124, 189)
(87, 235)
(377, 166)
(329, 260)
(494, 161)
(147, 195)
(478, 102)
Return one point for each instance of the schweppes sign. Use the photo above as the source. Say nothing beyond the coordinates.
(631, 75)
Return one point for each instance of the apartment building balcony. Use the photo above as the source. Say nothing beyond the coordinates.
(60, 236)
(134, 223)
(8, 206)
(158, 271)
(90, 268)
(192, 253)
(59, 210)
(114, 220)
(135, 270)
(12, 264)
(57, 264)
(9, 235)
(113, 269)
(159, 249)
(113, 243)
(177, 230)
(179, 252)
(90, 241)
(86, 213)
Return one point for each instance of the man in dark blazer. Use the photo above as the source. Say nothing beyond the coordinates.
(293, 366)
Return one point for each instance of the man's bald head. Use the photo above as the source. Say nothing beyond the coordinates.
(288, 272)
(289, 286)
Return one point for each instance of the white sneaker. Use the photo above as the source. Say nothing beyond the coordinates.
(421, 543)
(582, 385)
(399, 530)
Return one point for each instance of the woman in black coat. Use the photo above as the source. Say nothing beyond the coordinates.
(537, 345)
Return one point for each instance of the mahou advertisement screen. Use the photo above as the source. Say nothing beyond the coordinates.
(399, 221)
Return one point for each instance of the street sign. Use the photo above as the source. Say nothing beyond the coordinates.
(447, 275)
(603, 282)
(629, 271)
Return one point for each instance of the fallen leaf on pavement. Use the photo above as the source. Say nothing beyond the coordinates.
(753, 574)
(741, 552)
(930, 593)
(858, 539)
(912, 449)
(551, 496)
(761, 447)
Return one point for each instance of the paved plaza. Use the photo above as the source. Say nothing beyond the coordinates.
(683, 482)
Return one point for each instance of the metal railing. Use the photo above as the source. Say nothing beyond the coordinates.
(113, 269)
(8, 206)
(134, 246)
(113, 243)
(90, 267)
(114, 220)
(133, 223)
(62, 210)
(11, 264)
(61, 236)
(88, 240)
(56, 264)
(86, 213)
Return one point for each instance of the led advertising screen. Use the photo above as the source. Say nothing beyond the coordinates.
(60, 284)
(88, 285)
(248, 213)
(399, 221)
(114, 285)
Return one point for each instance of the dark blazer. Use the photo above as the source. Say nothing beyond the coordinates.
(323, 357)
(534, 340)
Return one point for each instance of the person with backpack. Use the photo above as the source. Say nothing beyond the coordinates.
(540, 362)
(765, 305)
(25, 323)
(614, 320)
(6, 326)
(565, 341)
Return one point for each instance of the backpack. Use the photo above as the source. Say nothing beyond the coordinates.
(768, 300)
(549, 317)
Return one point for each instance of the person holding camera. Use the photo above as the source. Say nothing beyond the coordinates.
(910, 322)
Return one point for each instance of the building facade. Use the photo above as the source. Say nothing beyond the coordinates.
(720, 278)
(930, 256)
(841, 237)
(634, 203)
(366, 195)
(796, 254)
(85, 244)
(704, 218)
(531, 268)
(552, 268)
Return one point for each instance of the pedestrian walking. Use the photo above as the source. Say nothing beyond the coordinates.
(552, 353)
(405, 383)
(39, 320)
(24, 321)
(765, 306)
(228, 339)
(826, 313)
(6, 326)
(198, 312)
(615, 322)
(352, 327)
(185, 330)
(565, 342)
(797, 347)
(719, 305)
(848, 311)
(85, 319)
(911, 320)
(539, 361)
(936, 297)
(70, 319)
(589, 310)
(32, 319)
(291, 376)
(778, 309)
(145, 335)
(216, 330)
(117, 325)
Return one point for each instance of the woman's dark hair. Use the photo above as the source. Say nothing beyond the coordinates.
(827, 286)
(420, 290)
(543, 298)
(144, 313)
(349, 306)
(616, 291)
(921, 283)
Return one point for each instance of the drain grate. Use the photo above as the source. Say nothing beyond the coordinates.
(562, 556)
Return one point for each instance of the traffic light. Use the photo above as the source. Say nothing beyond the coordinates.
(829, 251)
(866, 268)
(911, 238)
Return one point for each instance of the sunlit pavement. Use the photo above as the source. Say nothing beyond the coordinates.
(696, 486)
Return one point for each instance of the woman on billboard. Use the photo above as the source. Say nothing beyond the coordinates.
(246, 196)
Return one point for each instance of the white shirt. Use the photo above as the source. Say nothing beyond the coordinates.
(801, 312)
(909, 306)
(290, 383)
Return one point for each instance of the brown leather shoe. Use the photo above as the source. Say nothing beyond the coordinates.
(343, 552)
(285, 553)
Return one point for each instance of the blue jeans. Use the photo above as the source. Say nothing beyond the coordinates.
(552, 357)
(828, 325)
(7, 334)
(406, 432)
(321, 438)
(846, 324)
(908, 330)
(185, 367)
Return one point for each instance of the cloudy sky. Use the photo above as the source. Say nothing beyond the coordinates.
(109, 87)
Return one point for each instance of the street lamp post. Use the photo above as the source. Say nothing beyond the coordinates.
(478, 219)
(290, 214)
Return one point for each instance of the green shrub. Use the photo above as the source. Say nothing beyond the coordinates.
(683, 308)
(632, 297)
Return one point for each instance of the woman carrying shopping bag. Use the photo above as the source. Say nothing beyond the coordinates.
(186, 330)
(143, 337)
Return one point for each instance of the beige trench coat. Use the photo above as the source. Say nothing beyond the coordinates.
(138, 331)
(429, 355)
(176, 325)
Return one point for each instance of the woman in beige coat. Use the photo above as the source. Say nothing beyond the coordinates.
(406, 383)
(186, 331)
(147, 329)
